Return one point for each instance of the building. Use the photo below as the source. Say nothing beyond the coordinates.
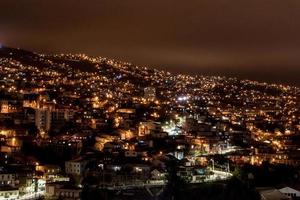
(60, 191)
(158, 175)
(9, 193)
(31, 100)
(4, 107)
(271, 194)
(290, 192)
(8, 179)
(8, 106)
(131, 153)
(75, 167)
(50, 172)
(150, 93)
(58, 118)
(148, 127)
(43, 119)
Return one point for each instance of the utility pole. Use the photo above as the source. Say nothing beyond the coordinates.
(228, 168)
(213, 164)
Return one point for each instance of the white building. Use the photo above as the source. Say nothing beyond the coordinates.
(9, 193)
(272, 194)
(290, 192)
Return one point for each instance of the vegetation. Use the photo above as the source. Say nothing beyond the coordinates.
(267, 174)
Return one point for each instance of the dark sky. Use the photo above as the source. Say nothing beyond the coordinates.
(256, 39)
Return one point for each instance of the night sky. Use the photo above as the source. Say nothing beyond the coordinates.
(255, 39)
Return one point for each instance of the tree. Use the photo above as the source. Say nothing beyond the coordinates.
(176, 185)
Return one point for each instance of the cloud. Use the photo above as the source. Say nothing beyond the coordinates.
(229, 37)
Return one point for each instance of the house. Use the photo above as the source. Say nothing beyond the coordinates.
(290, 192)
(199, 175)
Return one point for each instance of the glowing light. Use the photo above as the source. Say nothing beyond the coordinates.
(183, 98)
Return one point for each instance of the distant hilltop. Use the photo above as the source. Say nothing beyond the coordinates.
(112, 69)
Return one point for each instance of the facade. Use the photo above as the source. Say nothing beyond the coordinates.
(68, 193)
(272, 194)
(7, 107)
(43, 119)
(75, 167)
(158, 175)
(9, 193)
(8, 179)
(57, 190)
(131, 154)
(148, 127)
